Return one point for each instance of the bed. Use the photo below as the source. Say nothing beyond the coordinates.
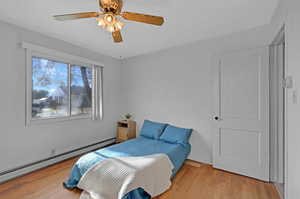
(140, 146)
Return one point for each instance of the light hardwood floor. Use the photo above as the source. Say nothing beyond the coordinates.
(193, 181)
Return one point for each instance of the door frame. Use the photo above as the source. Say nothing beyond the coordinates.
(280, 108)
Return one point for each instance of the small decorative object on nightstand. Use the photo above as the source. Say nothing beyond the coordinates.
(128, 116)
(126, 130)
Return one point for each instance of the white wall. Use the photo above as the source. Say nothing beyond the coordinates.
(293, 112)
(288, 14)
(174, 85)
(19, 144)
(293, 105)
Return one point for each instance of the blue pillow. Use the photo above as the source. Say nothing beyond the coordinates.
(152, 129)
(176, 135)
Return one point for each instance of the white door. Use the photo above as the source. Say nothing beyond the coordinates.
(241, 113)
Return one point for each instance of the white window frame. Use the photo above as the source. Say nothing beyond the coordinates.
(50, 54)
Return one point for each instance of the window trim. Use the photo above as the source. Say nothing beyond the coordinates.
(97, 88)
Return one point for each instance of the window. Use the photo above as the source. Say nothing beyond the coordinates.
(81, 90)
(60, 89)
(50, 93)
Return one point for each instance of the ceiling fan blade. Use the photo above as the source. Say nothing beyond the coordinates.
(149, 19)
(76, 16)
(117, 36)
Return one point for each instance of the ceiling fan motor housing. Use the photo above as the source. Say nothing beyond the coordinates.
(113, 6)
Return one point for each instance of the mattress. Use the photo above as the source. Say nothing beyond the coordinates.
(140, 146)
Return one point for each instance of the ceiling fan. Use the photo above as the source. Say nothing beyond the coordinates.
(109, 18)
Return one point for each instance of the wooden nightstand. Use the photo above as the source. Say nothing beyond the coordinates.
(126, 129)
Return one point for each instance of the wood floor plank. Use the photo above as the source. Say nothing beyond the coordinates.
(191, 182)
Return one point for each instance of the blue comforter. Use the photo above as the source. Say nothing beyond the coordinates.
(140, 146)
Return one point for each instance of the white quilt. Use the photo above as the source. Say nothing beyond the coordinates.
(115, 177)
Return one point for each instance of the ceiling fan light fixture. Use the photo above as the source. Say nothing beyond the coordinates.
(110, 23)
(109, 18)
(119, 25)
(110, 28)
(101, 22)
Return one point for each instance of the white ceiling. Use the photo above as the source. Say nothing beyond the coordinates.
(185, 21)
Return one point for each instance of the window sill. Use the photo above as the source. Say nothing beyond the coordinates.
(57, 120)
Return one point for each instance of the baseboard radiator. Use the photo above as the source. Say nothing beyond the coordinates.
(24, 169)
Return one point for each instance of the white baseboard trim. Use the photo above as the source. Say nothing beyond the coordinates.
(22, 170)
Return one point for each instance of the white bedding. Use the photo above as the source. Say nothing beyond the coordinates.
(115, 177)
